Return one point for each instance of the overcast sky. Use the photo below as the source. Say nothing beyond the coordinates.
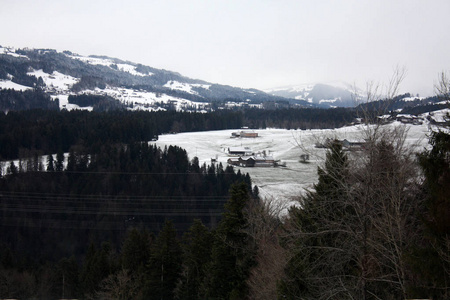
(260, 44)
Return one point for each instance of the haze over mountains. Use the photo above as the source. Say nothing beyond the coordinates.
(137, 86)
(336, 94)
(81, 82)
(142, 87)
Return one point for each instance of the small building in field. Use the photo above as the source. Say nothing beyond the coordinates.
(244, 134)
(247, 161)
(264, 161)
(234, 161)
(353, 145)
(252, 161)
(239, 151)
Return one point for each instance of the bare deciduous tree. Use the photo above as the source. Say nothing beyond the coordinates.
(350, 234)
(271, 257)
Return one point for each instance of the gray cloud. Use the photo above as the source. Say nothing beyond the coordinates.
(259, 44)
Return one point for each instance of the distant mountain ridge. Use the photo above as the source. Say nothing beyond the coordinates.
(136, 86)
(319, 94)
(114, 83)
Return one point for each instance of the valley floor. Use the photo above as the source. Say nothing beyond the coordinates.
(280, 185)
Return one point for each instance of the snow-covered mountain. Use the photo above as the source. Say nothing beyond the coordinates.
(138, 87)
(336, 94)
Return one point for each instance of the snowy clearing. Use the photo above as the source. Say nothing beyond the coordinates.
(278, 184)
(8, 84)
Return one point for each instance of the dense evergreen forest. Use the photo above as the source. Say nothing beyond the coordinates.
(76, 221)
(45, 132)
(119, 218)
(24, 133)
(305, 118)
(369, 229)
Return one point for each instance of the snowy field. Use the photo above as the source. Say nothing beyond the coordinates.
(278, 184)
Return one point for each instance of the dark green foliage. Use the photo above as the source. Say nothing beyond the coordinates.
(103, 193)
(46, 216)
(85, 100)
(11, 100)
(196, 255)
(431, 257)
(165, 265)
(50, 163)
(97, 266)
(304, 118)
(135, 251)
(50, 131)
(318, 258)
(233, 251)
(68, 278)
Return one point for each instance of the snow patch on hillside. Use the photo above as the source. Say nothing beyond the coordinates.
(410, 99)
(64, 103)
(144, 100)
(109, 63)
(8, 84)
(185, 87)
(11, 51)
(296, 88)
(439, 116)
(132, 70)
(328, 100)
(93, 60)
(56, 81)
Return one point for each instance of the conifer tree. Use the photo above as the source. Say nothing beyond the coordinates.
(318, 258)
(59, 166)
(135, 252)
(196, 255)
(233, 250)
(50, 166)
(435, 244)
(165, 264)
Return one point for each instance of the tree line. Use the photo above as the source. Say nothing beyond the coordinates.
(303, 118)
(23, 133)
(46, 132)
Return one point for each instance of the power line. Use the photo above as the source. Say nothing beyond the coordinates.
(102, 198)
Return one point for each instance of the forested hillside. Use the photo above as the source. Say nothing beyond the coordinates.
(55, 220)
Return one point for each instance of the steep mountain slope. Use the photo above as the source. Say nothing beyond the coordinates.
(136, 86)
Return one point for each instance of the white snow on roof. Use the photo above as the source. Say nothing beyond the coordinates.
(8, 84)
(60, 82)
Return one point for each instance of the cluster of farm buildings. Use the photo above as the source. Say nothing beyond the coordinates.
(245, 157)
